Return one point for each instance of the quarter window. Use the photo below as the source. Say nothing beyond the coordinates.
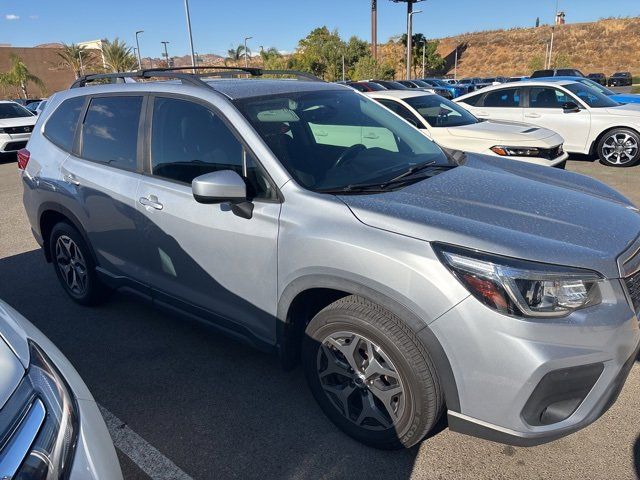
(189, 140)
(504, 98)
(61, 126)
(545, 97)
(110, 131)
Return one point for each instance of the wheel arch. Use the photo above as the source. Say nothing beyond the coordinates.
(51, 213)
(304, 297)
(594, 144)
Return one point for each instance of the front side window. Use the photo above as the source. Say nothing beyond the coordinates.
(547, 97)
(334, 139)
(61, 125)
(504, 98)
(591, 96)
(110, 131)
(440, 112)
(13, 110)
(189, 140)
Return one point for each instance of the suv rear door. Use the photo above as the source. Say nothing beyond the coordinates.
(203, 258)
(102, 174)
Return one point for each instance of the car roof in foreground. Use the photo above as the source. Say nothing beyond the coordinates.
(399, 93)
(245, 88)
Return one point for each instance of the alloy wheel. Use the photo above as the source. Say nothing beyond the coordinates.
(360, 380)
(72, 264)
(619, 148)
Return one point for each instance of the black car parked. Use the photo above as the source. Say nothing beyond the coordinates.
(601, 78)
(621, 79)
(557, 72)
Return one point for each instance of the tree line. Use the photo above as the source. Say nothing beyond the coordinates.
(322, 52)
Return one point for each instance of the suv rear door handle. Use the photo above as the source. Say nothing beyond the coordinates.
(532, 115)
(70, 178)
(151, 201)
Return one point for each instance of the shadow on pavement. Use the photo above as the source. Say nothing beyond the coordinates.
(636, 456)
(215, 407)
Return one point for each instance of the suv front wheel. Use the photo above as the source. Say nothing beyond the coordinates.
(74, 265)
(370, 374)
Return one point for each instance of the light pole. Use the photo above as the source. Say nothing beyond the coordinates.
(410, 15)
(553, 29)
(81, 65)
(193, 57)
(246, 58)
(138, 45)
(166, 54)
(424, 47)
(455, 67)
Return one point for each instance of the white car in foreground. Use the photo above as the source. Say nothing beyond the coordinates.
(50, 426)
(452, 127)
(590, 122)
(16, 125)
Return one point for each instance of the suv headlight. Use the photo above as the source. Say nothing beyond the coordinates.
(519, 287)
(51, 453)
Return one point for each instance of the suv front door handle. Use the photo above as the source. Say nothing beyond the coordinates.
(532, 115)
(151, 201)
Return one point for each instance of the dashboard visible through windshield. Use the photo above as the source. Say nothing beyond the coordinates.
(339, 140)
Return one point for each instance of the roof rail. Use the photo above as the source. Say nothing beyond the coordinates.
(191, 78)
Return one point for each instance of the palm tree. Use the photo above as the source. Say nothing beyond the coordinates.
(118, 57)
(19, 76)
(75, 58)
(269, 53)
(235, 54)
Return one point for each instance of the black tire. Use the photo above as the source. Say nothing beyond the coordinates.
(422, 402)
(607, 144)
(93, 291)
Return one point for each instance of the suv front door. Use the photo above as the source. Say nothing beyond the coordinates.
(545, 109)
(203, 258)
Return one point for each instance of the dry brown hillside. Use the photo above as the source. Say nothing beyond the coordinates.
(605, 46)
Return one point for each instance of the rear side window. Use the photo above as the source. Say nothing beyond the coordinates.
(110, 131)
(507, 98)
(399, 109)
(473, 100)
(61, 126)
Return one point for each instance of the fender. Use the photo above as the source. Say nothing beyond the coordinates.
(62, 210)
(417, 325)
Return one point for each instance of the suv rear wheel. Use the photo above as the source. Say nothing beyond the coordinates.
(370, 374)
(74, 265)
(619, 148)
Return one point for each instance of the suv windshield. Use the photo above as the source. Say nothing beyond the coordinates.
(590, 96)
(440, 112)
(13, 110)
(338, 140)
(596, 86)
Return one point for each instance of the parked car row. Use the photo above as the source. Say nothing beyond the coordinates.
(491, 268)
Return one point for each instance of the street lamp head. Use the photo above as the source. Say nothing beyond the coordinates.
(139, 31)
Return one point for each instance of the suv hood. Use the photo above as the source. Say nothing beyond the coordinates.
(18, 122)
(513, 209)
(13, 348)
(501, 131)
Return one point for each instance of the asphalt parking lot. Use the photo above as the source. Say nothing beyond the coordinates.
(218, 409)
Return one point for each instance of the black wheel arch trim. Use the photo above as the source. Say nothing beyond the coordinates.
(418, 325)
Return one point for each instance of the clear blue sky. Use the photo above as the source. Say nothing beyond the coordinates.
(217, 25)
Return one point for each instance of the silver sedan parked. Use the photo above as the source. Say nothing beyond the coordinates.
(50, 425)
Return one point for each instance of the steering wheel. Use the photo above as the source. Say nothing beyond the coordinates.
(348, 154)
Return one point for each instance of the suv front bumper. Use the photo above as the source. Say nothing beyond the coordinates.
(504, 368)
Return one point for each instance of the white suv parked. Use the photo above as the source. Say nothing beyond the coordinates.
(16, 125)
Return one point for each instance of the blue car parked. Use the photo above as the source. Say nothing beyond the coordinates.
(456, 90)
(618, 97)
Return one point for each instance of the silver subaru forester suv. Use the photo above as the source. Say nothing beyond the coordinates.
(304, 218)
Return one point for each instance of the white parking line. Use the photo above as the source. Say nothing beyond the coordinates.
(145, 456)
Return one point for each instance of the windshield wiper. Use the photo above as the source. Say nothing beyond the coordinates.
(381, 187)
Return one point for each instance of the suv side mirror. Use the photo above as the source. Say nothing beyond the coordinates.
(570, 107)
(218, 187)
